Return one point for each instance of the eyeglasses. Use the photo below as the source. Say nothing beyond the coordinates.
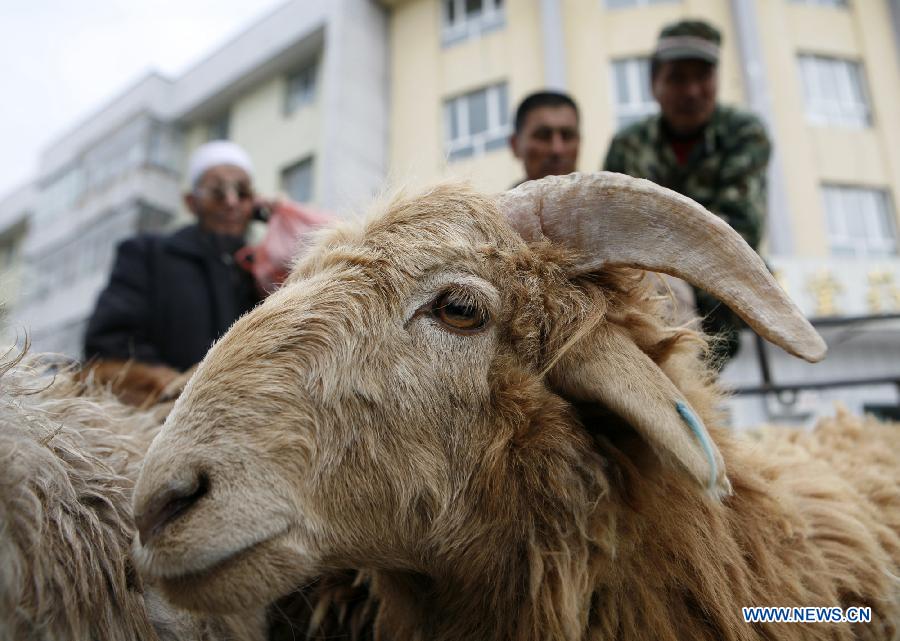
(219, 193)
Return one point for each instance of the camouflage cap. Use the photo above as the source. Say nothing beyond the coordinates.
(688, 39)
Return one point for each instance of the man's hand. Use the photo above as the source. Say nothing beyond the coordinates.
(289, 224)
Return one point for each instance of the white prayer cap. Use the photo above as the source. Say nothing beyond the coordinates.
(215, 153)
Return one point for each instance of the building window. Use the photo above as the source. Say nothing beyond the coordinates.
(860, 222)
(631, 90)
(621, 4)
(164, 147)
(297, 181)
(218, 127)
(476, 122)
(300, 88)
(822, 3)
(835, 92)
(88, 255)
(117, 155)
(467, 18)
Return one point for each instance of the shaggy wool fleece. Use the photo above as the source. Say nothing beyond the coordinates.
(68, 458)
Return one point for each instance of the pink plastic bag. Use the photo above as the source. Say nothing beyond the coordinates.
(270, 261)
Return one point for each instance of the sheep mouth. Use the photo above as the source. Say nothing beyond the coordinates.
(242, 580)
(233, 559)
(223, 564)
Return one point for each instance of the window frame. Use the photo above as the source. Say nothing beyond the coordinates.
(307, 95)
(839, 202)
(631, 111)
(468, 144)
(219, 126)
(613, 5)
(835, 91)
(828, 4)
(459, 27)
(305, 161)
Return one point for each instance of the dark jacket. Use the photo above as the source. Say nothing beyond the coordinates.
(169, 298)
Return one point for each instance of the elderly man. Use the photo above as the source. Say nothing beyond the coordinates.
(171, 296)
(712, 153)
(546, 135)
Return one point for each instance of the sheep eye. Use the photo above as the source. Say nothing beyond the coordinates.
(458, 314)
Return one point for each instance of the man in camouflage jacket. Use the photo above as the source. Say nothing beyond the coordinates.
(714, 154)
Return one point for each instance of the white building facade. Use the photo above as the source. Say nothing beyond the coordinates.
(304, 90)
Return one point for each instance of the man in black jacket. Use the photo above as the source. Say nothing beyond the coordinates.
(170, 297)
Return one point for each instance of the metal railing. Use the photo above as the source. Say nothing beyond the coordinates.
(770, 386)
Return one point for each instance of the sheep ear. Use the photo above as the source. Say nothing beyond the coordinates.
(615, 373)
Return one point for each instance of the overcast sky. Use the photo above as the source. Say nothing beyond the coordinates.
(61, 60)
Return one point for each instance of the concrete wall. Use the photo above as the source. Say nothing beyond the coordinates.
(355, 104)
(424, 73)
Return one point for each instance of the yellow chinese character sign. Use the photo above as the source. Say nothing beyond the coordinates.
(883, 294)
(825, 289)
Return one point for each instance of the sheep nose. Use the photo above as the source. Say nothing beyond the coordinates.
(171, 501)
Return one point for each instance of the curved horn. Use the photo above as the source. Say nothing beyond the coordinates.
(613, 219)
